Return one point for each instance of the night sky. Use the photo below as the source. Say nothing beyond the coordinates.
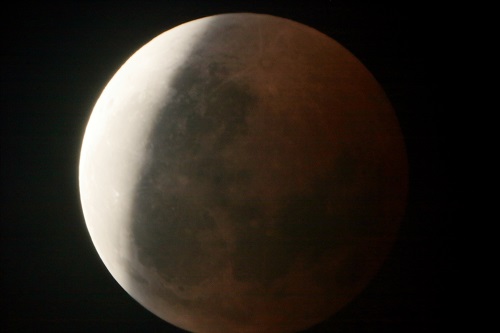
(56, 60)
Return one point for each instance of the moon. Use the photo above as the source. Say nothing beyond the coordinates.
(243, 173)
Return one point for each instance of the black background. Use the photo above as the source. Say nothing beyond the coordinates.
(57, 58)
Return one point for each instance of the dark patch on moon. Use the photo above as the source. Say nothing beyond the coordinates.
(173, 227)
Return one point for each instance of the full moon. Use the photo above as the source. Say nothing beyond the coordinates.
(243, 173)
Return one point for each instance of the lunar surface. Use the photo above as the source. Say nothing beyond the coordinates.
(243, 173)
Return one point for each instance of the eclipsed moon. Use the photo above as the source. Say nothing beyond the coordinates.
(243, 173)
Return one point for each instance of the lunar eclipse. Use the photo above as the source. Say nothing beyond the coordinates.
(243, 173)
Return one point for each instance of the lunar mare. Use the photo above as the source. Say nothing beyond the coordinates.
(243, 173)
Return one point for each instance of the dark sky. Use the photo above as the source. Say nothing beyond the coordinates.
(57, 58)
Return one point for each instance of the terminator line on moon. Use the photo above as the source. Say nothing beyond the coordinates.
(243, 173)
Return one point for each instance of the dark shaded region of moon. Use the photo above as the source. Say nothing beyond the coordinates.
(271, 185)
